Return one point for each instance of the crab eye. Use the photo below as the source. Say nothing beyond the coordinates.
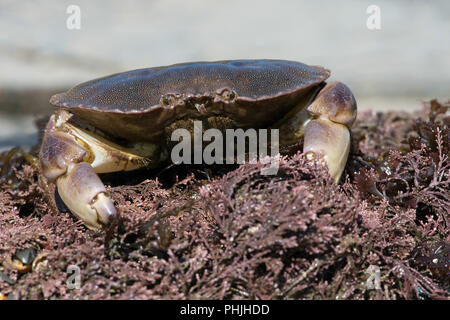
(165, 100)
(228, 94)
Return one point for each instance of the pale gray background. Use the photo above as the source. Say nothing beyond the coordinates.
(397, 67)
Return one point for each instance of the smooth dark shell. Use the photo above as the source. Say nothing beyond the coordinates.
(138, 104)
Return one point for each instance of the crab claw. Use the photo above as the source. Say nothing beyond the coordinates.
(327, 135)
(63, 161)
(330, 141)
(85, 195)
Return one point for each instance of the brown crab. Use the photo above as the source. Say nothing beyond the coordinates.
(123, 121)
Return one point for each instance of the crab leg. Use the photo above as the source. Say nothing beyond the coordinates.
(85, 195)
(329, 141)
(63, 161)
(324, 125)
(327, 135)
(71, 158)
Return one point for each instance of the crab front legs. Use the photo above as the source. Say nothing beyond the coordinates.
(71, 157)
(65, 162)
(325, 125)
(327, 135)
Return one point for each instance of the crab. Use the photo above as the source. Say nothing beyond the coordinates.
(124, 121)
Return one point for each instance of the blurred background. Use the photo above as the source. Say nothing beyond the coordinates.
(396, 67)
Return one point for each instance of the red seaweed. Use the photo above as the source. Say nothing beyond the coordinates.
(219, 232)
